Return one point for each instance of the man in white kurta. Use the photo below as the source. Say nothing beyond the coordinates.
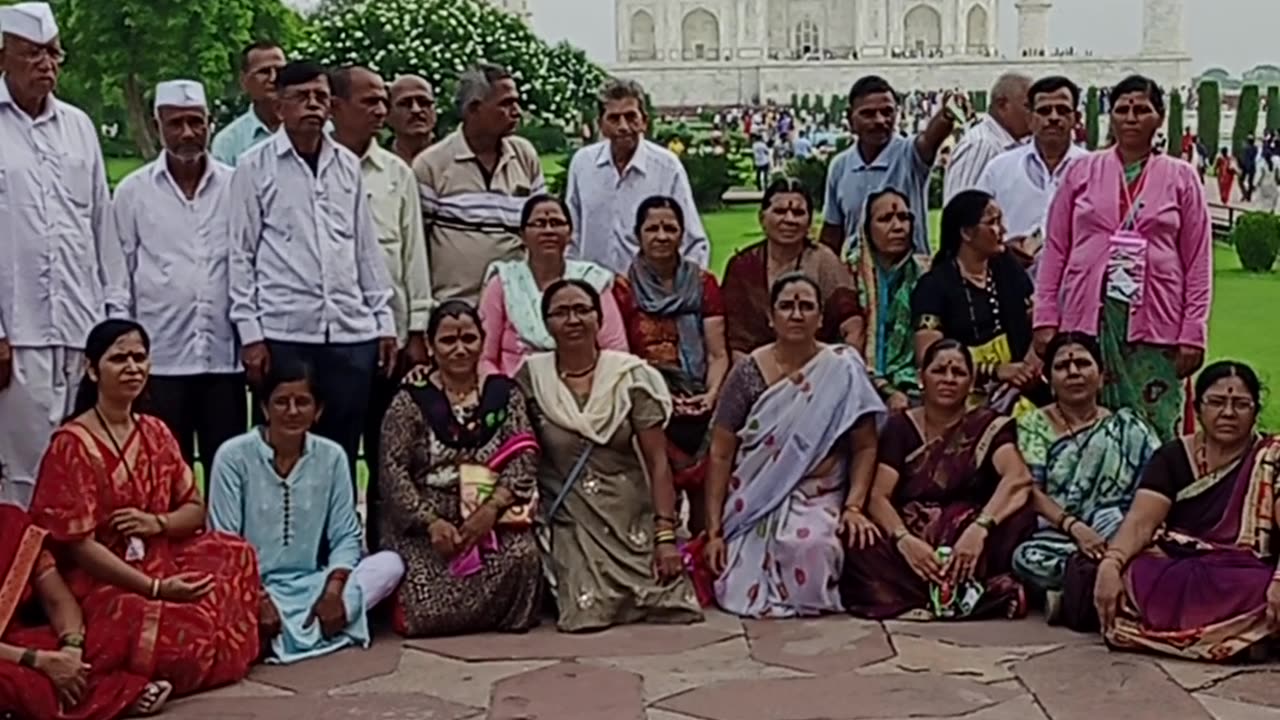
(170, 219)
(59, 275)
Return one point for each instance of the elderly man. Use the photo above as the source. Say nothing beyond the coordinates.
(170, 219)
(259, 64)
(609, 180)
(1004, 127)
(475, 183)
(308, 282)
(359, 110)
(61, 274)
(412, 116)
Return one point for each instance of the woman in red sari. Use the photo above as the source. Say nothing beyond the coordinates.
(1226, 170)
(127, 524)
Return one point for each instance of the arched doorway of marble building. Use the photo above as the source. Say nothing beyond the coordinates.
(923, 29)
(644, 44)
(700, 35)
(977, 32)
(807, 37)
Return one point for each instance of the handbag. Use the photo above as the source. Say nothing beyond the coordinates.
(477, 483)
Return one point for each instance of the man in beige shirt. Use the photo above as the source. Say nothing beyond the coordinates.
(359, 110)
(475, 183)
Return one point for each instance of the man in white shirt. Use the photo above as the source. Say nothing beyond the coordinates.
(59, 274)
(259, 64)
(170, 218)
(1024, 180)
(412, 116)
(308, 282)
(608, 181)
(1004, 127)
(360, 102)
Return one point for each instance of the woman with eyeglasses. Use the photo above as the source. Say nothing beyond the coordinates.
(513, 291)
(978, 294)
(1128, 258)
(1192, 571)
(887, 270)
(786, 215)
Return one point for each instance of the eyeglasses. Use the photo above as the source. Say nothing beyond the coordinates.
(1218, 403)
(548, 224)
(1046, 111)
(39, 53)
(413, 103)
(564, 312)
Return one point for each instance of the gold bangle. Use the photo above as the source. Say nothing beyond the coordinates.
(163, 522)
(155, 588)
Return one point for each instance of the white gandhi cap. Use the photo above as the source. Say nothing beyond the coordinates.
(180, 93)
(30, 21)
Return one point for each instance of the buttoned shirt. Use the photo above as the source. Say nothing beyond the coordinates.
(979, 146)
(305, 264)
(473, 217)
(392, 191)
(1023, 186)
(850, 180)
(603, 203)
(59, 274)
(176, 251)
(238, 137)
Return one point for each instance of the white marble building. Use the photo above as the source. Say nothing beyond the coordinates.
(724, 52)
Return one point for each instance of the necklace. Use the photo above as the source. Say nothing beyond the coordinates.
(1072, 432)
(987, 284)
(115, 444)
(579, 374)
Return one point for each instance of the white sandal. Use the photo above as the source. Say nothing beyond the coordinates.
(152, 700)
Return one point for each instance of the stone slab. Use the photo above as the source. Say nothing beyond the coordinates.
(838, 697)
(1088, 683)
(1222, 709)
(319, 707)
(547, 643)
(344, 667)
(980, 633)
(835, 644)
(984, 664)
(667, 675)
(569, 691)
(1254, 688)
(1020, 708)
(1194, 676)
(457, 681)
(245, 689)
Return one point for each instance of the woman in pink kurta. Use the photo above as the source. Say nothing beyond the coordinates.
(1129, 258)
(510, 307)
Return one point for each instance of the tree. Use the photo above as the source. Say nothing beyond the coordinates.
(805, 101)
(795, 101)
(120, 49)
(439, 39)
(1209, 110)
(1092, 109)
(1273, 109)
(1246, 118)
(1175, 123)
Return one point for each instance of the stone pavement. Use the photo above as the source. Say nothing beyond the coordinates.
(835, 668)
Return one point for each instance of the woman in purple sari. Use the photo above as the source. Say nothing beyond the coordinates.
(1192, 572)
(947, 477)
(793, 442)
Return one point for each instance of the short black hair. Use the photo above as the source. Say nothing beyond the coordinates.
(554, 289)
(253, 47)
(340, 79)
(869, 85)
(1142, 84)
(297, 73)
(288, 371)
(1053, 84)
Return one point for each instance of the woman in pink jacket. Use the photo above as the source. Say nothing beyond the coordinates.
(1129, 258)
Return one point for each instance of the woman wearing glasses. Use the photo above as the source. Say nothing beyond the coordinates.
(512, 296)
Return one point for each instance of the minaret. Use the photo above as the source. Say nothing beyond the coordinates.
(1033, 25)
(1163, 32)
(519, 8)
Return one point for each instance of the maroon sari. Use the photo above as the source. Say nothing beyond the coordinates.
(29, 693)
(943, 486)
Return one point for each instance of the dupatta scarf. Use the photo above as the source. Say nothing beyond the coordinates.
(683, 304)
(524, 299)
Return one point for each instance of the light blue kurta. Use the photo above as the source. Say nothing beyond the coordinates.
(287, 520)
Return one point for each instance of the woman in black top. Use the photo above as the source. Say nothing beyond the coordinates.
(978, 294)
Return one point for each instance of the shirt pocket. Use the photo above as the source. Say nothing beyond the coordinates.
(340, 208)
(77, 179)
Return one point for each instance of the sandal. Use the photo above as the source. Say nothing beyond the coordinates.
(152, 699)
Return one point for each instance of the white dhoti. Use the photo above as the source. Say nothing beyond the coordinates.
(40, 395)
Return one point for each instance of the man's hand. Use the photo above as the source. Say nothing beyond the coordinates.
(329, 608)
(1043, 336)
(416, 353)
(6, 364)
(257, 362)
(1187, 361)
(387, 349)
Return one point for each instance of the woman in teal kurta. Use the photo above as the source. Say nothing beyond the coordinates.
(289, 493)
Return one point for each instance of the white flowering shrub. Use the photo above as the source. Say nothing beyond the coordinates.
(438, 39)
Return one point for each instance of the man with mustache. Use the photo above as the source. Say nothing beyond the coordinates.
(59, 274)
(259, 64)
(308, 282)
(170, 220)
(412, 117)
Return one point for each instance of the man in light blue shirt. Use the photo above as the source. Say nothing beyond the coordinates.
(803, 147)
(259, 64)
(879, 159)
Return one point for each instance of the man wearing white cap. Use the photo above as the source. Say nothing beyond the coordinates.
(59, 274)
(170, 219)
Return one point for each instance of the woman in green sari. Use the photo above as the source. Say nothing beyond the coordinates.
(1085, 461)
(886, 272)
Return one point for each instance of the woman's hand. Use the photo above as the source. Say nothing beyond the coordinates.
(67, 673)
(1088, 540)
(898, 402)
(186, 587)
(330, 611)
(1021, 375)
(858, 530)
(966, 553)
(1273, 605)
(1187, 360)
(269, 622)
(479, 524)
(419, 375)
(132, 522)
(445, 538)
(1108, 589)
(922, 558)
(695, 405)
(715, 554)
(667, 564)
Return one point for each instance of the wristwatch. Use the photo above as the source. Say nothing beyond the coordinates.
(985, 521)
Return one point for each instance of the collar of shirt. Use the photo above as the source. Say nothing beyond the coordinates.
(604, 156)
(374, 156)
(999, 134)
(462, 151)
(328, 148)
(50, 104)
(257, 129)
(1038, 170)
(160, 173)
(882, 160)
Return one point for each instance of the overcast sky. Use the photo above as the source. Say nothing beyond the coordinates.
(1235, 34)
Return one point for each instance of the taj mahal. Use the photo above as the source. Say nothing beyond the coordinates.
(728, 52)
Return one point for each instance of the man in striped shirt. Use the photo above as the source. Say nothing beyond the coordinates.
(475, 182)
(1005, 126)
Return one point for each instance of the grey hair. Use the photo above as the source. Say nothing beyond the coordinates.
(476, 84)
(615, 89)
(1011, 86)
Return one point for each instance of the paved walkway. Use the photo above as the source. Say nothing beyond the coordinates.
(836, 668)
